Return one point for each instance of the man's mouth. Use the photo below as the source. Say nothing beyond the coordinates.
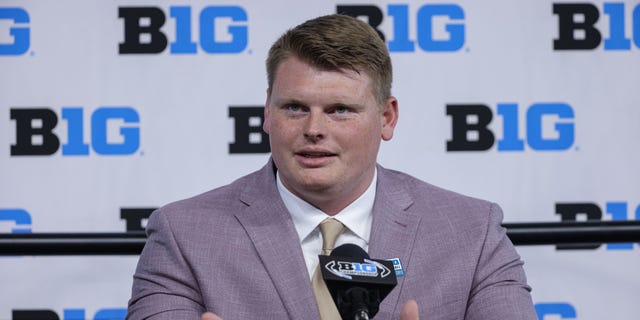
(315, 155)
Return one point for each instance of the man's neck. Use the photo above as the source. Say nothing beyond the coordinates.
(331, 200)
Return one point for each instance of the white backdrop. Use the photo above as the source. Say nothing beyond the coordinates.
(151, 128)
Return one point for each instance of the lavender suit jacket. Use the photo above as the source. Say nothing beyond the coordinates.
(234, 251)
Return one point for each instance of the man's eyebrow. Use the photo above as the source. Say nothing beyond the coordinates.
(285, 100)
(347, 104)
(350, 104)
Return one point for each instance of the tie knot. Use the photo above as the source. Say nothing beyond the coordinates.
(330, 229)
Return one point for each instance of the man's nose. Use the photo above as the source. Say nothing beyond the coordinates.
(315, 126)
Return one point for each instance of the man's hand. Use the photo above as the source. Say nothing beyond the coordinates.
(409, 311)
(209, 316)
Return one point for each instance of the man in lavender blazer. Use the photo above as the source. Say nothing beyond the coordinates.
(235, 251)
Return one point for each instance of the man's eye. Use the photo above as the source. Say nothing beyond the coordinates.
(293, 107)
(341, 109)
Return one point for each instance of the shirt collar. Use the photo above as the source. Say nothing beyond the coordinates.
(356, 216)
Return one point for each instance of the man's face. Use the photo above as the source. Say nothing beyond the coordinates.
(325, 129)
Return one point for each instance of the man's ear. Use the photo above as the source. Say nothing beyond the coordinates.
(389, 118)
(265, 123)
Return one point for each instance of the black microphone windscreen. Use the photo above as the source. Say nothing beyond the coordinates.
(349, 250)
(357, 283)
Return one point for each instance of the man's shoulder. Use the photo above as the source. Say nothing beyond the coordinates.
(423, 193)
(221, 200)
(444, 212)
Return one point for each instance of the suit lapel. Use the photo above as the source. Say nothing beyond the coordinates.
(394, 228)
(269, 225)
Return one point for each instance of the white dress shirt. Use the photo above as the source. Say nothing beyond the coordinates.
(356, 217)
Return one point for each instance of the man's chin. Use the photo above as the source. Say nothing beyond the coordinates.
(312, 181)
(316, 186)
(321, 184)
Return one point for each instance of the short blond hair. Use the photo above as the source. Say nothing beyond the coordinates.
(336, 42)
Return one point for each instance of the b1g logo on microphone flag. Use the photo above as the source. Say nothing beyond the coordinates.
(357, 270)
(346, 269)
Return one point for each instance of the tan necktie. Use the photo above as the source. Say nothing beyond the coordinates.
(330, 229)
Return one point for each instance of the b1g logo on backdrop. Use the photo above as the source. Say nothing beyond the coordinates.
(579, 211)
(18, 220)
(113, 131)
(549, 127)
(143, 34)
(553, 310)
(577, 28)
(438, 27)
(15, 40)
(249, 136)
(69, 314)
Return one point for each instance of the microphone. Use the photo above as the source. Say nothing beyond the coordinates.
(357, 283)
